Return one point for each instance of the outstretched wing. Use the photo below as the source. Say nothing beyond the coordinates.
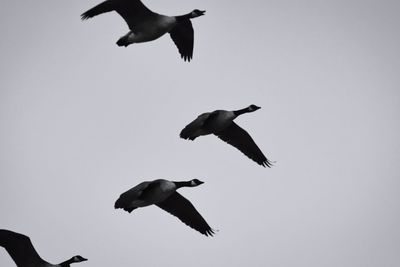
(101, 8)
(239, 138)
(180, 207)
(183, 36)
(20, 249)
(132, 11)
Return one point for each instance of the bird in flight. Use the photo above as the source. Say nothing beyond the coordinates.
(221, 124)
(146, 25)
(162, 193)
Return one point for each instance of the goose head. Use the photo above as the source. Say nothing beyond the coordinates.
(77, 258)
(197, 13)
(195, 182)
(252, 108)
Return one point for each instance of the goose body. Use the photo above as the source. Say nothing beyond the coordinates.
(146, 25)
(23, 253)
(221, 123)
(162, 193)
(149, 30)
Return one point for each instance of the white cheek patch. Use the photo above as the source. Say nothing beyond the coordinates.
(192, 183)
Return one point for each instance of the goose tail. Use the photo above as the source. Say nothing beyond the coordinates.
(120, 204)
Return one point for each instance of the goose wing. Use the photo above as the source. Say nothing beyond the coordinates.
(194, 129)
(101, 8)
(183, 36)
(132, 11)
(239, 138)
(20, 249)
(180, 207)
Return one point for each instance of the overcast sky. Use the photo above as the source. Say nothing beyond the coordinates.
(82, 120)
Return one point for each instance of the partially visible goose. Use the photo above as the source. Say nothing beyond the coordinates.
(220, 123)
(146, 25)
(162, 193)
(23, 253)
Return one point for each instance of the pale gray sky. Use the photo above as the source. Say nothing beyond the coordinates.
(82, 120)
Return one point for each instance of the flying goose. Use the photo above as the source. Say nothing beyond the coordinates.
(162, 193)
(146, 25)
(220, 123)
(23, 253)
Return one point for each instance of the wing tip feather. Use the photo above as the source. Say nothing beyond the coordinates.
(267, 163)
(210, 232)
(84, 16)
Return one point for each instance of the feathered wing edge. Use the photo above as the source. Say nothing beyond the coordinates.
(101, 8)
(183, 36)
(239, 138)
(180, 207)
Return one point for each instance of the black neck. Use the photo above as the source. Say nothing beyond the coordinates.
(184, 17)
(241, 111)
(66, 263)
(182, 184)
